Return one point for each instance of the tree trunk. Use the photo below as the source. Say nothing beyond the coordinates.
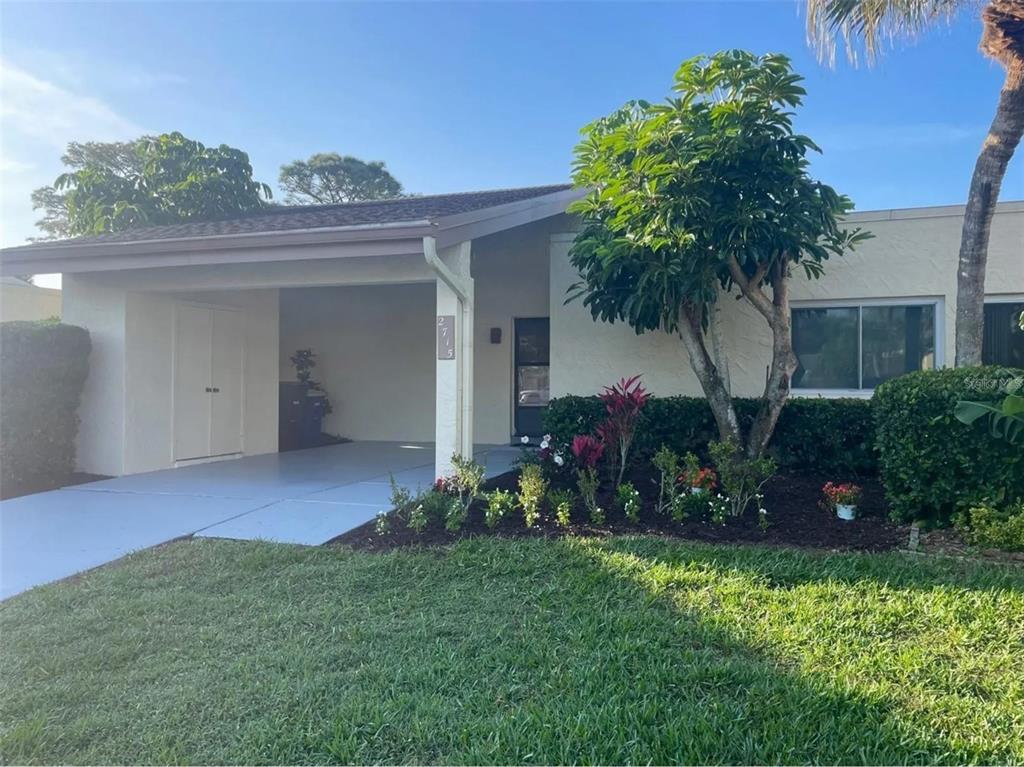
(715, 388)
(784, 363)
(1003, 137)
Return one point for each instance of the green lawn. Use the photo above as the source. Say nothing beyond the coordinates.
(495, 651)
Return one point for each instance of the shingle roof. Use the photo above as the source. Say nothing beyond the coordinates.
(286, 218)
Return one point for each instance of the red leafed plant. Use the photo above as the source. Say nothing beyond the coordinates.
(623, 402)
(588, 450)
(840, 494)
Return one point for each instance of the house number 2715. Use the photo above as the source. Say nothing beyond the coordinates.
(446, 336)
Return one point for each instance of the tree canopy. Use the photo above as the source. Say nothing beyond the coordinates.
(153, 180)
(705, 194)
(329, 178)
(117, 158)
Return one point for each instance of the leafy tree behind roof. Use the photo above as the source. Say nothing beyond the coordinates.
(117, 158)
(329, 178)
(162, 180)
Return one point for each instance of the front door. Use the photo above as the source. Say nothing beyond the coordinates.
(532, 383)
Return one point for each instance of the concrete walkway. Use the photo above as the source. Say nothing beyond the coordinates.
(305, 497)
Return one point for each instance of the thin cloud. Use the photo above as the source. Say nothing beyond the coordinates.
(39, 108)
(37, 120)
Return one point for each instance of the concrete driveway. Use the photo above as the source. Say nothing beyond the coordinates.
(305, 497)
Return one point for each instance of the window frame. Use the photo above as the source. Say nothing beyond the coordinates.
(938, 304)
(1001, 298)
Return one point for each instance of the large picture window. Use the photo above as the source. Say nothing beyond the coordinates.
(858, 346)
(1003, 340)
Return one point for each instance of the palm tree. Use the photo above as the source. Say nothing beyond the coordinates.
(876, 22)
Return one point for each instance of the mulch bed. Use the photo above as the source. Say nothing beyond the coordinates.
(795, 519)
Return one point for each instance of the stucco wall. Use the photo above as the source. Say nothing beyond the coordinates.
(510, 274)
(375, 347)
(127, 414)
(100, 308)
(21, 301)
(913, 255)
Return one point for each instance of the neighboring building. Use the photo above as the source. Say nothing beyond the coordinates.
(21, 300)
(193, 324)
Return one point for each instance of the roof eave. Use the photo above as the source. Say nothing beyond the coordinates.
(396, 238)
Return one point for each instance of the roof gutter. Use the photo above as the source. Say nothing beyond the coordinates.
(446, 275)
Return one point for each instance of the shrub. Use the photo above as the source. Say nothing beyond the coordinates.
(499, 503)
(561, 502)
(588, 451)
(932, 464)
(588, 484)
(456, 515)
(43, 367)
(418, 519)
(742, 478)
(814, 435)
(532, 488)
(670, 495)
(465, 482)
(628, 498)
(989, 526)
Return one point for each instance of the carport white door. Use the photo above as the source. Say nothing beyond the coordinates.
(207, 383)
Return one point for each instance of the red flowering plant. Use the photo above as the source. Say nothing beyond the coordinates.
(696, 476)
(702, 478)
(840, 494)
(622, 402)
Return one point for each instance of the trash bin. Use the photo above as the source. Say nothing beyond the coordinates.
(300, 418)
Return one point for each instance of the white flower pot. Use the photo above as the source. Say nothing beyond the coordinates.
(697, 490)
(846, 511)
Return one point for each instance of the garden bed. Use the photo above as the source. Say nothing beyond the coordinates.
(794, 519)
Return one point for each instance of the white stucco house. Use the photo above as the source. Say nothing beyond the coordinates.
(442, 319)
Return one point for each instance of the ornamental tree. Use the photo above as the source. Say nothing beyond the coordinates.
(703, 196)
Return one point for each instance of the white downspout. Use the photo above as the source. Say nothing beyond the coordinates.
(464, 294)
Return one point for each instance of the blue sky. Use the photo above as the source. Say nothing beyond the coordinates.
(462, 96)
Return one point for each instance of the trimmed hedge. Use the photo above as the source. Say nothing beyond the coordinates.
(932, 465)
(827, 436)
(43, 366)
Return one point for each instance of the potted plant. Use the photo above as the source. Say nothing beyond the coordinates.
(842, 498)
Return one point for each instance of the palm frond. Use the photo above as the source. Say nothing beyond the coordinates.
(867, 27)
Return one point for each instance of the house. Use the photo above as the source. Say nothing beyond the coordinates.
(442, 319)
(21, 300)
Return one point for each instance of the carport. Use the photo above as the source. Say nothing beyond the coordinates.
(186, 323)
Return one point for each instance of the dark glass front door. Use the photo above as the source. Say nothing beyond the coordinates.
(532, 385)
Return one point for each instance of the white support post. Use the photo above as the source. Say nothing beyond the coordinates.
(453, 425)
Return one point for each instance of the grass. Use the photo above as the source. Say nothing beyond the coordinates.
(622, 650)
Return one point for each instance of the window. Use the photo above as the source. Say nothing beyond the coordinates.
(859, 346)
(1003, 340)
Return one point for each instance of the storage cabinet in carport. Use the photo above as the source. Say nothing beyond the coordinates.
(301, 416)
